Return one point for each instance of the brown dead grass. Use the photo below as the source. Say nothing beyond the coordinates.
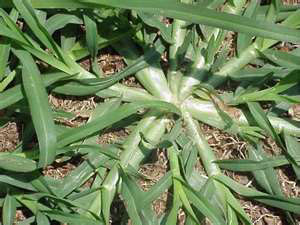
(59, 171)
(152, 173)
(291, 2)
(9, 137)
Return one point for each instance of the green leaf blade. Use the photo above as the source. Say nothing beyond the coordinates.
(9, 210)
(40, 110)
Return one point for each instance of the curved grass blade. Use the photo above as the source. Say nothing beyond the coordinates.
(9, 210)
(79, 50)
(109, 191)
(42, 117)
(244, 40)
(268, 177)
(204, 206)
(133, 196)
(52, 4)
(234, 205)
(59, 21)
(81, 174)
(7, 80)
(100, 110)
(283, 59)
(91, 35)
(263, 121)
(51, 60)
(171, 218)
(68, 40)
(94, 160)
(288, 204)
(30, 220)
(108, 119)
(29, 15)
(57, 59)
(9, 29)
(4, 54)
(42, 183)
(90, 201)
(91, 86)
(202, 15)
(178, 183)
(155, 21)
(62, 201)
(17, 181)
(245, 165)
(5, 48)
(41, 219)
(16, 93)
(18, 38)
(292, 147)
(31, 19)
(191, 13)
(71, 218)
(94, 148)
(259, 175)
(157, 189)
(15, 163)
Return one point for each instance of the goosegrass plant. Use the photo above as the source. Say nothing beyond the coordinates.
(180, 53)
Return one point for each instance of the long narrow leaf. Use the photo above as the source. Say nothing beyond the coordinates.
(9, 210)
(40, 110)
(110, 118)
(203, 15)
(58, 21)
(15, 163)
(192, 13)
(250, 165)
(263, 121)
(289, 204)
